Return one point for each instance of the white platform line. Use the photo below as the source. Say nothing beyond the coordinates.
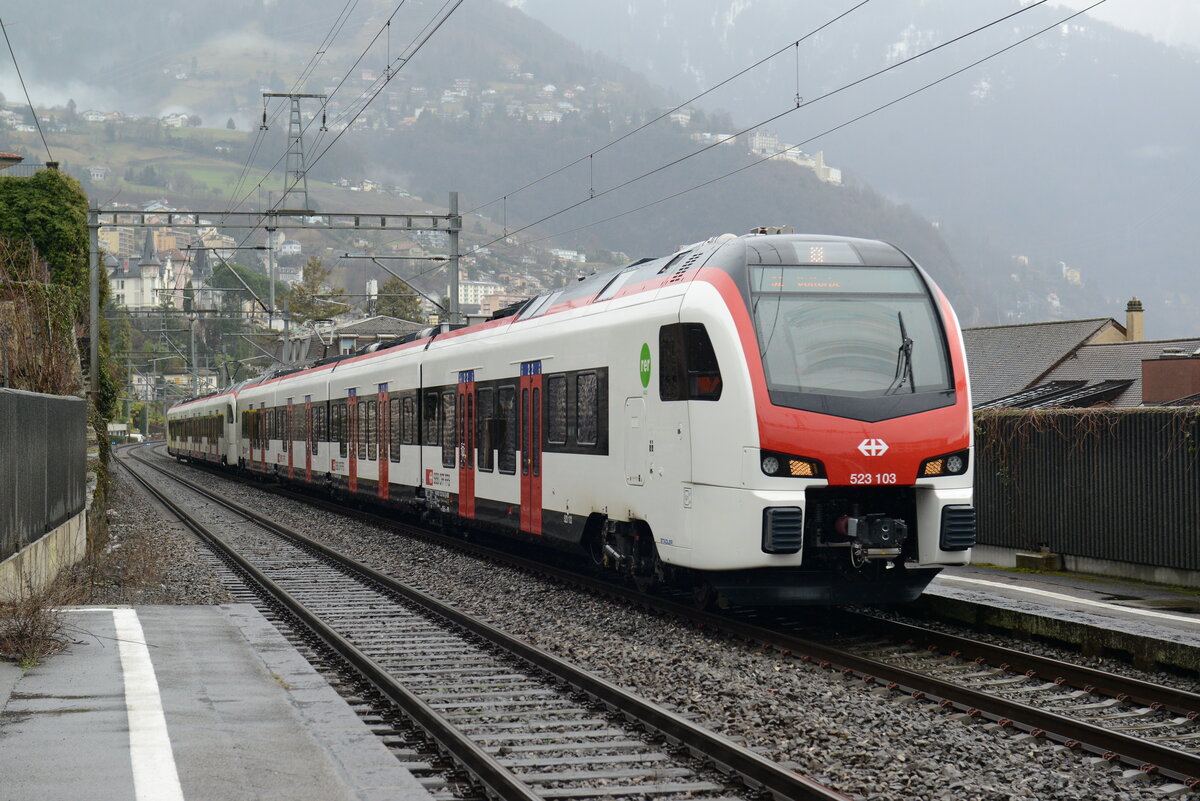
(1058, 596)
(154, 775)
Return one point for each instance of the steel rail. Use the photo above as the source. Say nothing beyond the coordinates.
(1144, 754)
(1139, 752)
(757, 771)
(498, 780)
(1171, 699)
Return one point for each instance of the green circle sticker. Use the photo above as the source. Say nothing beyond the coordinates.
(644, 365)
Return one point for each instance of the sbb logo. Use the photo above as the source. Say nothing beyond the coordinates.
(872, 447)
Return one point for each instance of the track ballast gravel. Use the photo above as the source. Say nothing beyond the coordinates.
(870, 745)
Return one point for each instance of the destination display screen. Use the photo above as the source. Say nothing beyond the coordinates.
(836, 280)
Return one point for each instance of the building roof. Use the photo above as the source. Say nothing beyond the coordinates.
(1004, 359)
(378, 325)
(149, 255)
(1116, 361)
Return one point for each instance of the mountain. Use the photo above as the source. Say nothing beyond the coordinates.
(496, 100)
(1078, 147)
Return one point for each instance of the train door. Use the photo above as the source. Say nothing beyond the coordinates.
(530, 400)
(383, 436)
(465, 425)
(637, 442)
(352, 413)
(308, 438)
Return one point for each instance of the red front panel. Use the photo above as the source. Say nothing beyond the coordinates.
(853, 451)
(530, 402)
(383, 434)
(465, 416)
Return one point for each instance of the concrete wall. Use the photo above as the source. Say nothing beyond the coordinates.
(1007, 557)
(37, 564)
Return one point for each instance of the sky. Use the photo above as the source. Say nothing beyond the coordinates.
(1173, 22)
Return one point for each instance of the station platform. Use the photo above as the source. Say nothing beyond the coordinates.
(203, 703)
(1152, 625)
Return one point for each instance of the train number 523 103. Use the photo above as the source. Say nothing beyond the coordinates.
(872, 478)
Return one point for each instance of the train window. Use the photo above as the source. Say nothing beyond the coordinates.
(687, 365)
(394, 429)
(358, 428)
(410, 420)
(343, 429)
(313, 414)
(506, 437)
(535, 433)
(286, 432)
(556, 409)
(469, 431)
(229, 413)
(373, 431)
(366, 428)
(448, 430)
(587, 408)
(485, 426)
(429, 414)
(524, 432)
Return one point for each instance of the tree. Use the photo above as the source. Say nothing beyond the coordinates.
(229, 123)
(311, 299)
(398, 299)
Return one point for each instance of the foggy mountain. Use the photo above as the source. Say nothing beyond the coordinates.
(215, 58)
(1077, 147)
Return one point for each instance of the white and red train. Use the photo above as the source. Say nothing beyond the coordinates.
(770, 419)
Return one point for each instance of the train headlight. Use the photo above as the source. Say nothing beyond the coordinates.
(952, 464)
(783, 465)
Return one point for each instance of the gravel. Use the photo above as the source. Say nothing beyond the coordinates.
(868, 744)
(150, 559)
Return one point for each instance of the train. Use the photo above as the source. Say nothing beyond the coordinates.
(770, 419)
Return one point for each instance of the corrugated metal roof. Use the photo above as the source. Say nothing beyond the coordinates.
(1005, 359)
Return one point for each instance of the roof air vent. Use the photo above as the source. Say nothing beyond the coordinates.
(1174, 353)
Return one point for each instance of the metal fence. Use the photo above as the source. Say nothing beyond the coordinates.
(43, 465)
(1119, 485)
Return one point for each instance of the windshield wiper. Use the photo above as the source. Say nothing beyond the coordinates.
(904, 371)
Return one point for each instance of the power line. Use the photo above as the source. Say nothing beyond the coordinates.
(592, 195)
(671, 111)
(32, 110)
(335, 29)
(345, 77)
(826, 132)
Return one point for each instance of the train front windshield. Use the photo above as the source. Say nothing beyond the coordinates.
(857, 341)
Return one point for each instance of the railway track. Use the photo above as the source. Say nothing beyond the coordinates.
(523, 723)
(1150, 728)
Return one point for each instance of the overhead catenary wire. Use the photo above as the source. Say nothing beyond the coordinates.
(826, 132)
(791, 110)
(337, 88)
(413, 48)
(32, 110)
(790, 45)
(335, 29)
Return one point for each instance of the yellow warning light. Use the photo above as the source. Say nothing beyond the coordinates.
(801, 468)
(935, 467)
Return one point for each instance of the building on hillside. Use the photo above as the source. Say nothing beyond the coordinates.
(9, 160)
(146, 283)
(98, 172)
(118, 240)
(474, 292)
(1080, 364)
